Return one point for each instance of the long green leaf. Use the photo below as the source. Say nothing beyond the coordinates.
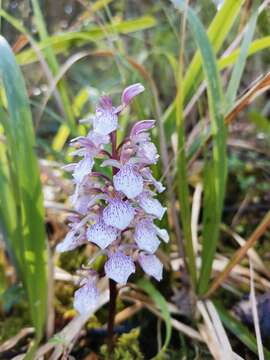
(217, 168)
(20, 177)
(239, 330)
(241, 61)
(161, 303)
(217, 33)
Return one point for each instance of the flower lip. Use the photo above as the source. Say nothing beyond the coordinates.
(86, 297)
(118, 214)
(151, 265)
(128, 181)
(119, 267)
(101, 234)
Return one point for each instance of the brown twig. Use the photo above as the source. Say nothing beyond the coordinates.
(240, 254)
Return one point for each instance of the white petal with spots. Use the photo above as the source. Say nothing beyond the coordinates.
(86, 298)
(151, 265)
(119, 267)
(118, 214)
(102, 234)
(151, 206)
(128, 181)
(105, 121)
(146, 236)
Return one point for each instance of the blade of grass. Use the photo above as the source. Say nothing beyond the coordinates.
(53, 64)
(240, 254)
(25, 190)
(161, 304)
(255, 316)
(216, 169)
(239, 330)
(217, 33)
(241, 61)
(183, 191)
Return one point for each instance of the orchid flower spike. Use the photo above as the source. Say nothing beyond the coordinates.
(117, 214)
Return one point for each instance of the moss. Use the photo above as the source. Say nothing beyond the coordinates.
(11, 325)
(126, 347)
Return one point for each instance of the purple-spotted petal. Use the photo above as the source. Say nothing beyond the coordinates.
(105, 121)
(102, 234)
(142, 126)
(119, 267)
(151, 265)
(83, 168)
(72, 240)
(130, 92)
(151, 206)
(129, 181)
(118, 214)
(146, 237)
(147, 152)
(86, 298)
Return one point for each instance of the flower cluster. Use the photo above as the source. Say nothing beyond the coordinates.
(117, 212)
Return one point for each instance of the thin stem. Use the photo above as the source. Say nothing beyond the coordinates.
(112, 310)
(112, 283)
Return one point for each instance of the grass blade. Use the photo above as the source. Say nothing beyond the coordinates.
(27, 233)
(239, 330)
(216, 169)
(161, 303)
(241, 61)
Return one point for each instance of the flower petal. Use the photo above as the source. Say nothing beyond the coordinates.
(130, 92)
(147, 151)
(102, 234)
(142, 126)
(83, 168)
(151, 265)
(157, 184)
(162, 233)
(119, 267)
(105, 121)
(118, 214)
(146, 237)
(151, 206)
(86, 298)
(129, 181)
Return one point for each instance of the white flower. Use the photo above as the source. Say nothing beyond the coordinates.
(151, 206)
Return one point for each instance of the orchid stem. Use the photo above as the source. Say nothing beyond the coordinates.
(112, 310)
(112, 283)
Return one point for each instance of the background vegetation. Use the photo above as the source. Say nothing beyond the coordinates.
(205, 68)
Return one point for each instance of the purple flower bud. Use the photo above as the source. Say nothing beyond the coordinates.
(142, 126)
(102, 234)
(129, 181)
(151, 265)
(118, 214)
(130, 92)
(119, 267)
(86, 298)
